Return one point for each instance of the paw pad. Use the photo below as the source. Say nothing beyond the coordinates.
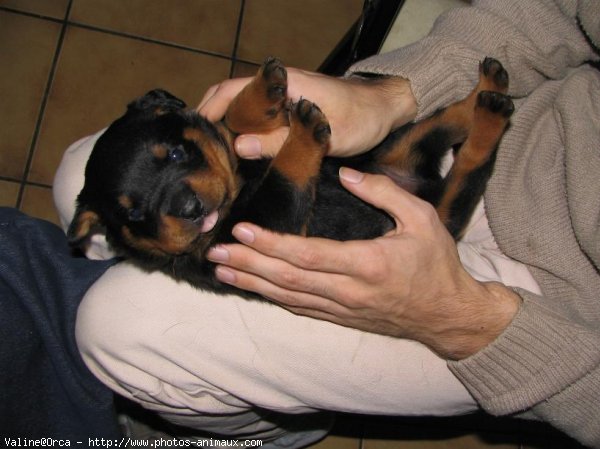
(310, 116)
(275, 76)
(496, 102)
(493, 70)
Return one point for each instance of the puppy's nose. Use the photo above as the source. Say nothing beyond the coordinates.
(191, 209)
(185, 204)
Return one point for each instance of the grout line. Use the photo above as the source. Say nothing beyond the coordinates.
(38, 124)
(30, 14)
(136, 37)
(20, 181)
(234, 58)
(147, 39)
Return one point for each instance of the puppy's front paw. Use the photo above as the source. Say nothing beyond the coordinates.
(261, 106)
(274, 75)
(310, 117)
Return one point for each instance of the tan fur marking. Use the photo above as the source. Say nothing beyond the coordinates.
(299, 160)
(218, 182)
(159, 151)
(125, 201)
(85, 223)
(475, 151)
(247, 112)
(175, 237)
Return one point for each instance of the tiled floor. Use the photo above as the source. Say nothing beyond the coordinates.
(70, 66)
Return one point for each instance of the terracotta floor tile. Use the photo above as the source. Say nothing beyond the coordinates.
(27, 47)
(472, 441)
(37, 202)
(51, 8)
(8, 193)
(98, 74)
(300, 33)
(242, 69)
(208, 25)
(337, 442)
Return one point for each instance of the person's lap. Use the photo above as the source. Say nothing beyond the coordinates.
(194, 355)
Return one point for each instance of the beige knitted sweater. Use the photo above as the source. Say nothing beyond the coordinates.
(543, 201)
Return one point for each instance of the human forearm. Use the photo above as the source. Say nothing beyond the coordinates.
(360, 111)
(382, 103)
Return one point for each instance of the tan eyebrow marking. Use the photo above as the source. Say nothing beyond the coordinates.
(159, 151)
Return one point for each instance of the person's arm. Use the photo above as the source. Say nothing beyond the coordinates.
(361, 112)
(534, 40)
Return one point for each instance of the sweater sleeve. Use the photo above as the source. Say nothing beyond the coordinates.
(535, 40)
(560, 385)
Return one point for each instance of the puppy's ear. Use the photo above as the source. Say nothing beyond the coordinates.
(158, 101)
(85, 223)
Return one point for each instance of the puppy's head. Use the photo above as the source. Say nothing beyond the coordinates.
(157, 182)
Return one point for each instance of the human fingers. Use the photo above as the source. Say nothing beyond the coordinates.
(275, 291)
(309, 253)
(269, 254)
(217, 98)
(280, 280)
(256, 146)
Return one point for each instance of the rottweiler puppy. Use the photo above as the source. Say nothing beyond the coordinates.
(165, 185)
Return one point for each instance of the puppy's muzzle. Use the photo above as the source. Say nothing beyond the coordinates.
(184, 203)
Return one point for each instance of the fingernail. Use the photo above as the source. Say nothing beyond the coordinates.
(218, 254)
(351, 175)
(243, 234)
(248, 147)
(225, 275)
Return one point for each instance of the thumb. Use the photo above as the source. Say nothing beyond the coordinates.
(381, 192)
(256, 146)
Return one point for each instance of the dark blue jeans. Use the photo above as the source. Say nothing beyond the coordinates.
(45, 388)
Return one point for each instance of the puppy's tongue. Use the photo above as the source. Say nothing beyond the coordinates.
(210, 221)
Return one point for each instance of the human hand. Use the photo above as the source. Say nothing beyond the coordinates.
(409, 283)
(360, 112)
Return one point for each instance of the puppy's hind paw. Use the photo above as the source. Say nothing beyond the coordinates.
(496, 103)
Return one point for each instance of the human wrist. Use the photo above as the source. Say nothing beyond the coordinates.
(380, 105)
(393, 98)
(498, 308)
(486, 310)
(398, 100)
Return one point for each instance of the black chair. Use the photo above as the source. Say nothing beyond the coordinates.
(364, 38)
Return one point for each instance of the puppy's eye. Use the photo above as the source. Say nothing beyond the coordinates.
(135, 214)
(177, 154)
